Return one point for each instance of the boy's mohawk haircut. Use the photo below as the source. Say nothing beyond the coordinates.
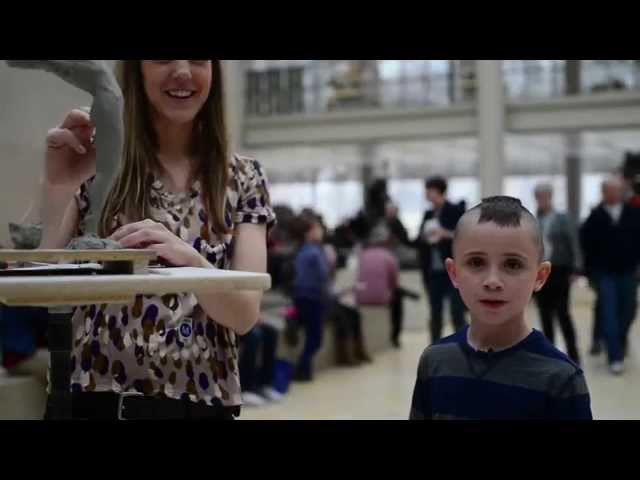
(505, 211)
(502, 210)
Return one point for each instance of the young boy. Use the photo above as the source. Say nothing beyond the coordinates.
(310, 290)
(498, 367)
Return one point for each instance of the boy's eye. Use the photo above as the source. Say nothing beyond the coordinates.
(475, 262)
(513, 264)
(199, 63)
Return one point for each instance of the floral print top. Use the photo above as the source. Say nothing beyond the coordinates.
(168, 345)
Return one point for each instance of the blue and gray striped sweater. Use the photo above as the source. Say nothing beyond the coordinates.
(531, 380)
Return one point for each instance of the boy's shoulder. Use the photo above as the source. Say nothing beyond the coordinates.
(450, 341)
(447, 350)
(549, 370)
(535, 356)
(545, 352)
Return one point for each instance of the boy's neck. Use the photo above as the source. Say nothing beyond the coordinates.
(484, 338)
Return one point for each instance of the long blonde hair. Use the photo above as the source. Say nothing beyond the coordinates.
(130, 192)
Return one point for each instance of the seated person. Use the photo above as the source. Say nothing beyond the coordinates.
(350, 346)
(257, 358)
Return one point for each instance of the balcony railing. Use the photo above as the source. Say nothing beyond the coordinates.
(610, 75)
(531, 80)
(312, 88)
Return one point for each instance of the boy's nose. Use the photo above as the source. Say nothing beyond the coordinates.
(492, 282)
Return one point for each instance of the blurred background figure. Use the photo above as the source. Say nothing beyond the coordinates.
(257, 365)
(610, 237)
(310, 289)
(562, 249)
(434, 244)
(378, 275)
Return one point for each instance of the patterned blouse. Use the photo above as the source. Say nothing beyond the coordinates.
(168, 345)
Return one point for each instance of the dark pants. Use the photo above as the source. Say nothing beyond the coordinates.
(396, 309)
(439, 287)
(348, 321)
(553, 302)
(311, 314)
(22, 331)
(617, 298)
(397, 313)
(632, 315)
(256, 374)
(597, 334)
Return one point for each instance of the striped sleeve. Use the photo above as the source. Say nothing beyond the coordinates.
(573, 401)
(421, 400)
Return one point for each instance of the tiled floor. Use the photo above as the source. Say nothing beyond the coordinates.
(383, 389)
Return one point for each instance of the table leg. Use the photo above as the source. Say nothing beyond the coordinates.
(60, 339)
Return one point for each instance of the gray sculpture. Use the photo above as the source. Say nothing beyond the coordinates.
(26, 236)
(96, 78)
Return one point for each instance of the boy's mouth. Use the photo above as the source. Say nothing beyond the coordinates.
(491, 303)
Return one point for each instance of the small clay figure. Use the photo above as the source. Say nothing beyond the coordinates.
(25, 236)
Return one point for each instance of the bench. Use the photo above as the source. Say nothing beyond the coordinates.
(23, 394)
(376, 329)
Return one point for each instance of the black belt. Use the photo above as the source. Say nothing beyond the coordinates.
(134, 406)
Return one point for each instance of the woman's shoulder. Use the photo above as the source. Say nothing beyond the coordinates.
(244, 167)
(248, 182)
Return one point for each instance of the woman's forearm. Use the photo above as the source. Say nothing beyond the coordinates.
(57, 213)
(237, 310)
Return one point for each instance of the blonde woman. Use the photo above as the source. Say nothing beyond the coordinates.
(180, 193)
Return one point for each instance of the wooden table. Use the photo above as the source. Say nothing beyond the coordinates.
(132, 277)
(53, 290)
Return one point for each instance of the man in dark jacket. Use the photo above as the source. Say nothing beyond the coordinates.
(434, 244)
(610, 238)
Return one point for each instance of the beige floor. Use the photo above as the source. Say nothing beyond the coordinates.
(383, 389)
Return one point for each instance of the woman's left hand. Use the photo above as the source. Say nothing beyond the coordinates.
(151, 235)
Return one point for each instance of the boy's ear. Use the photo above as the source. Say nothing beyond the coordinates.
(450, 264)
(544, 269)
